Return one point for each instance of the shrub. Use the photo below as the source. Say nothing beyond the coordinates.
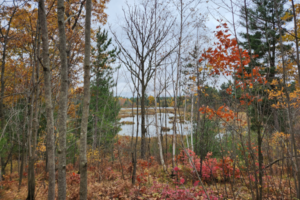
(212, 168)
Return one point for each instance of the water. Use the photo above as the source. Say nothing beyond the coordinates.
(128, 129)
(150, 108)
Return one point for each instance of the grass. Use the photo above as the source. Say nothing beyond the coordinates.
(127, 122)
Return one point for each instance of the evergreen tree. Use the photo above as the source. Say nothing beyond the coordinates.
(103, 103)
(262, 41)
(263, 34)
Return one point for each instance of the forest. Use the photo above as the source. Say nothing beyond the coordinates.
(177, 100)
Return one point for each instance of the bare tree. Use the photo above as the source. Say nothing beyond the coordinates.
(144, 36)
(155, 100)
(185, 10)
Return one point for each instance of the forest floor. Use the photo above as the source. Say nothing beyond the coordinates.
(112, 180)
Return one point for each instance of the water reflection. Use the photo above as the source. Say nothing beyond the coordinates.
(163, 120)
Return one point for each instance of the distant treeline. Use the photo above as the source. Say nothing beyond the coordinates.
(216, 97)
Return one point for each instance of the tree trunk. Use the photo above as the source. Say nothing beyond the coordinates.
(296, 41)
(23, 145)
(96, 117)
(198, 113)
(5, 41)
(192, 120)
(155, 108)
(143, 126)
(293, 139)
(63, 102)
(48, 102)
(86, 103)
(260, 162)
(31, 181)
(0, 175)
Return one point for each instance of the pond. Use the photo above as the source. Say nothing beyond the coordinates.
(164, 120)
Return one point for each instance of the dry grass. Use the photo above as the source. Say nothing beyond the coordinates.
(127, 122)
(165, 129)
(127, 112)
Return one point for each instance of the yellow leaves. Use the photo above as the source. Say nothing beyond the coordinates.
(281, 97)
(151, 100)
(192, 78)
(287, 16)
(274, 82)
(93, 155)
(279, 137)
(41, 146)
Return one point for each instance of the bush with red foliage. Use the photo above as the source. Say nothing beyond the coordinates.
(164, 191)
(212, 169)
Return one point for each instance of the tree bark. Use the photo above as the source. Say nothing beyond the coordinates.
(31, 181)
(296, 38)
(86, 103)
(192, 120)
(143, 126)
(95, 136)
(5, 42)
(155, 108)
(48, 101)
(23, 145)
(63, 102)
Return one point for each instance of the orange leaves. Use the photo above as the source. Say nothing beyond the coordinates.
(223, 112)
(229, 90)
(225, 57)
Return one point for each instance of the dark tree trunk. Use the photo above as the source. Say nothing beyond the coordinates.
(143, 125)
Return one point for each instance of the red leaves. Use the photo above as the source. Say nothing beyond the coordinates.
(73, 179)
(141, 178)
(196, 183)
(211, 167)
(182, 181)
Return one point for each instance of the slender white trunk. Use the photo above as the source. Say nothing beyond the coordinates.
(177, 80)
(184, 113)
(192, 115)
(155, 107)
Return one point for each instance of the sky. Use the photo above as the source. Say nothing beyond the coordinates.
(212, 10)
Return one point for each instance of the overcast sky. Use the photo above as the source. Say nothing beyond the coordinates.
(212, 11)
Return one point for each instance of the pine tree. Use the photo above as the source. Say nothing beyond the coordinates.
(262, 41)
(263, 34)
(105, 105)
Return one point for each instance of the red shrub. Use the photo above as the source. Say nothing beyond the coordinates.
(211, 167)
